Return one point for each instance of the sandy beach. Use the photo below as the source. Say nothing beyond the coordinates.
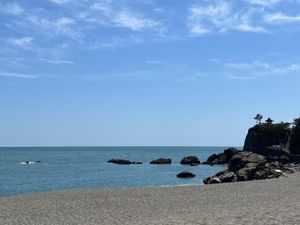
(275, 201)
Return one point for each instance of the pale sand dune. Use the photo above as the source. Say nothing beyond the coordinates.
(274, 201)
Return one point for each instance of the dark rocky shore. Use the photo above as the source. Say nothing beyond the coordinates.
(270, 151)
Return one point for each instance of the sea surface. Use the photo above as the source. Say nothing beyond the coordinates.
(86, 167)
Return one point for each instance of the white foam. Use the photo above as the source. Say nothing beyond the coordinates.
(28, 162)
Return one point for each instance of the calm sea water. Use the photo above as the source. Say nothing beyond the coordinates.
(86, 167)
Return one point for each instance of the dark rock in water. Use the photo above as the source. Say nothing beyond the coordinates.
(186, 174)
(194, 164)
(123, 161)
(119, 161)
(222, 158)
(190, 160)
(161, 161)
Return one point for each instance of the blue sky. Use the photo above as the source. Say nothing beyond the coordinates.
(148, 72)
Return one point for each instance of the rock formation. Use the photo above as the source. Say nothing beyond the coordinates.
(246, 166)
(161, 161)
(123, 161)
(221, 158)
(264, 135)
(190, 160)
(186, 174)
(270, 151)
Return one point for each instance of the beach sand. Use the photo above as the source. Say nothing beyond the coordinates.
(275, 201)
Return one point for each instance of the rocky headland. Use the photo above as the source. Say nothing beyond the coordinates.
(271, 150)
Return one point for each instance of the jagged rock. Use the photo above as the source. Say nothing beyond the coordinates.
(246, 166)
(161, 161)
(240, 159)
(186, 174)
(221, 158)
(267, 173)
(246, 173)
(190, 160)
(277, 153)
(212, 180)
(227, 176)
(123, 161)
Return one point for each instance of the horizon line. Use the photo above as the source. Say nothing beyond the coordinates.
(96, 146)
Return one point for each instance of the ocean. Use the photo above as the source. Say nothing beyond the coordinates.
(63, 168)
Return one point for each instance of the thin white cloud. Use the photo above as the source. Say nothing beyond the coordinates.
(61, 2)
(240, 77)
(12, 8)
(134, 22)
(279, 18)
(18, 75)
(21, 42)
(60, 26)
(57, 61)
(257, 69)
(240, 66)
(122, 18)
(265, 3)
(220, 17)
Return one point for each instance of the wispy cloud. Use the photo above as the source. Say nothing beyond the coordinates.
(265, 3)
(57, 61)
(123, 17)
(279, 18)
(18, 75)
(220, 17)
(21, 42)
(12, 8)
(258, 69)
(61, 1)
(134, 22)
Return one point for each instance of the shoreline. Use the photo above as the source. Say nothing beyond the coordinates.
(273, 201)
(102, 189)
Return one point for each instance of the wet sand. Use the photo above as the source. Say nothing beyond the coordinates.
(275, 201)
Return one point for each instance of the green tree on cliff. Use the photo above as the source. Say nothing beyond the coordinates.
(258, 118)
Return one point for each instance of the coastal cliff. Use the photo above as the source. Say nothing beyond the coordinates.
(262, 136)
(271, 150)
(275, 140)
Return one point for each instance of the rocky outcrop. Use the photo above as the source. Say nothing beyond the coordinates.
(123, 161)
(246, 166)
(269, 152)
(277, 153)
(186, 174)
(190, 160)
(161, 161)
(278, 142)
(221, 158)
(243, 158)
